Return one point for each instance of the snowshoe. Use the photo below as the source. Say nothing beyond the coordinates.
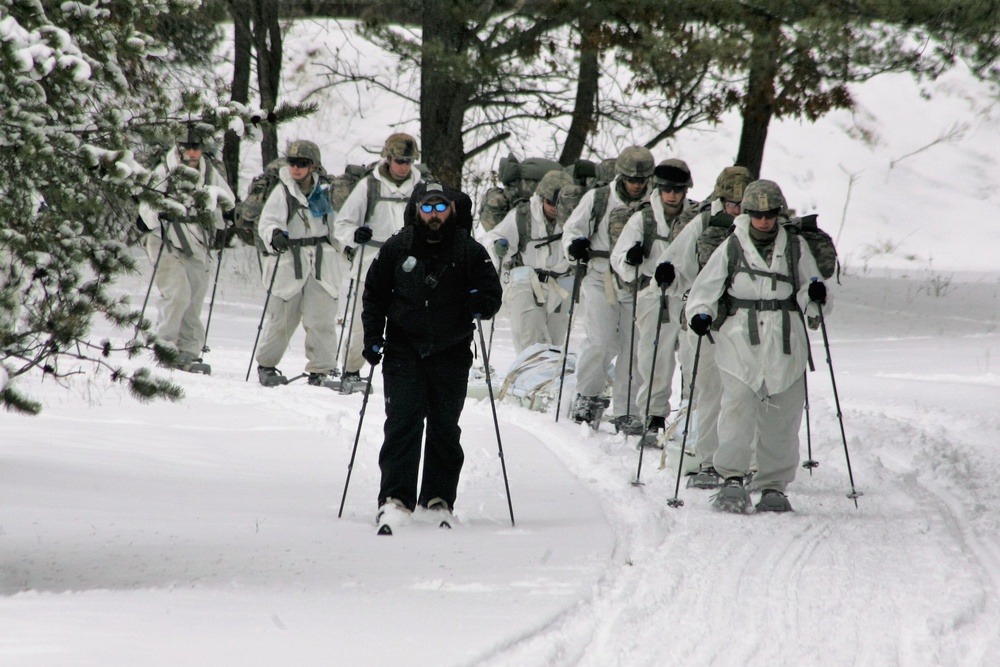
(441, 513)
(324, 380)
(270, 376)
(651, 436)
(589, 409)
(352, 382)
(189, 363)
(773, 500)
(628, 425)
(392, 514)
(706, 478)
(732, 497)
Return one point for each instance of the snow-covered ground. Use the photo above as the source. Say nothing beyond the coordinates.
(207, 533)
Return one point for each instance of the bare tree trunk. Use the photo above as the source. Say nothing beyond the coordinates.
(586, 92)
(267, 38)
(242, 49)
(758, 104)
(444, 98)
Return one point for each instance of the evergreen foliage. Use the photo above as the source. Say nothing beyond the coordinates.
(82, 86)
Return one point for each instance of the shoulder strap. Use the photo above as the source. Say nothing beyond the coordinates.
(649, 234)
(522, 217)
(599, 206)
(374, 190)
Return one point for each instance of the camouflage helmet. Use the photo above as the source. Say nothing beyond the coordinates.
(762, 195)
(401, 145)
(304, 149)
(731, 183)
(635, 161)
(673, 171)
(551, 183)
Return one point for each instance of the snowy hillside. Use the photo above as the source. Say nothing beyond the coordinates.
(206, 532)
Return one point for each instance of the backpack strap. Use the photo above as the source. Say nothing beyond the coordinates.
(649, 234)
(375, 196)
(599, 207)
(738, 264)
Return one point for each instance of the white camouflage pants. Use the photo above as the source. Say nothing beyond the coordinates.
(648, 321)
(608, 329)
(776, 418)
(707, 398)
(182, 282)
(531, 322)
(353, 361)
(317, 311)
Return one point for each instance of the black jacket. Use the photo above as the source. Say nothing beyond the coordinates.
(426, 309)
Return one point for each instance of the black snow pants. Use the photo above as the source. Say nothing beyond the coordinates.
(434, 389)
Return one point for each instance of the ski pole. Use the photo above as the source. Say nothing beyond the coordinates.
(211, 303)
(675, 501)
(274, 274)
(357, 436)
(354, 307)
(652, 371)
(854, 494)
(347, 304)
(149, 289)
(631, 351)
(574, 297)
(496, 423)
(809, 463)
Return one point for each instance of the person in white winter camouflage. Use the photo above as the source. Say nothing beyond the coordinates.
(304, 268)
(527, 249)
(371, 214)
(770, 282)
(183, 244)
(646, 236)
(606, 301)
(681, 259)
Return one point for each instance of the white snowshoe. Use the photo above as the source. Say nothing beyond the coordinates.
(732, 497)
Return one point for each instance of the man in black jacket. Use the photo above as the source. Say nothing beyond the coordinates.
(421, 296)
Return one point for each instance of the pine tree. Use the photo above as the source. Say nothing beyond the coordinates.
(81, 87)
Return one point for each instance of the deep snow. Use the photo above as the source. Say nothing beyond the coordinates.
(206, 532)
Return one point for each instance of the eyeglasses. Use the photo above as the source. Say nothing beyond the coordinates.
(635, 180)
(403, 160)
(185, 146)
(300, 162)
(440, 207)
(673, 189)
(765, 215)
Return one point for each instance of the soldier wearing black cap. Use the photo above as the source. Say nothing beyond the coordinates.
(422, 293)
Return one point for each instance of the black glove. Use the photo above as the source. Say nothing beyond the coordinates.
(665, 274)
(477, 303)
(579, 249)
(220, 239)
(362, 235)
(634, 255)
(817, 292)
(701, 324)
(280, 241)
(373, 353)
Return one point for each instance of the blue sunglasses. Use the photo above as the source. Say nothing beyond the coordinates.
(440, 207)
